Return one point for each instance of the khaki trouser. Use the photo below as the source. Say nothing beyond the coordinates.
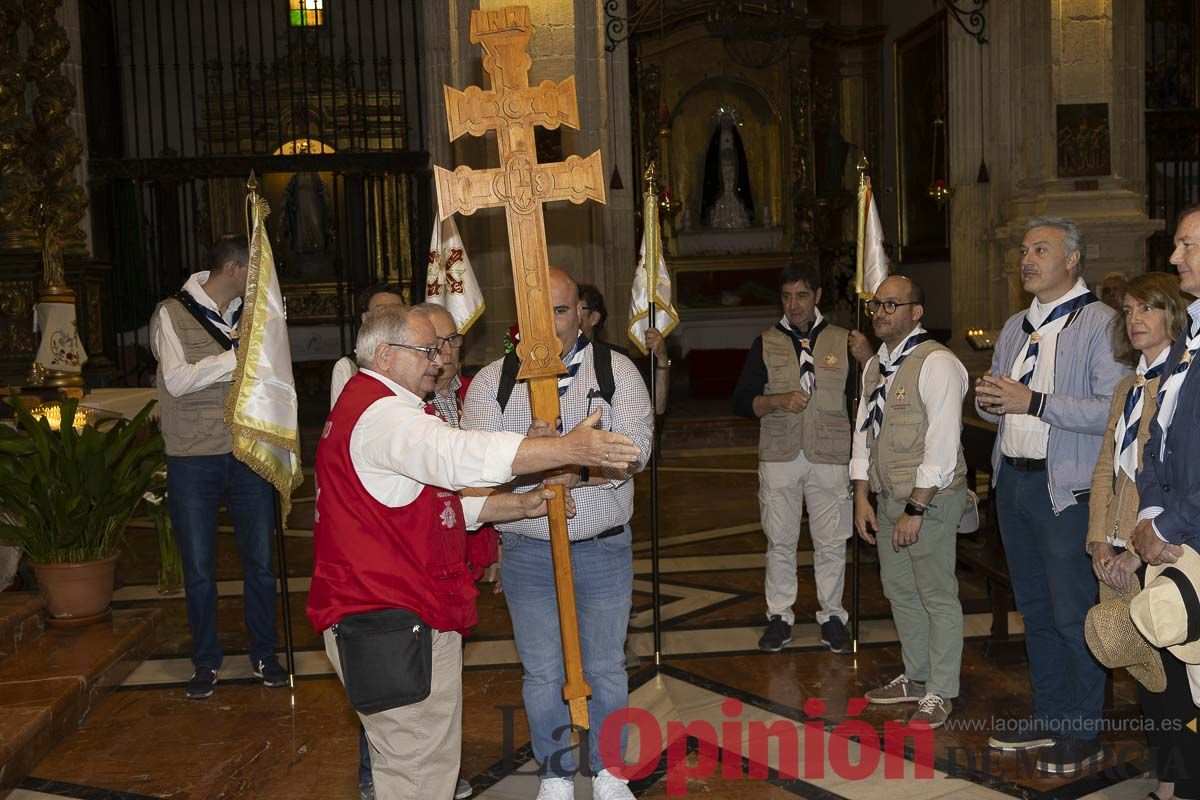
(415, 750)
(922, 588)
(784, 487)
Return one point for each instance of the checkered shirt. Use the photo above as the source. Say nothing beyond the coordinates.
(597, 507)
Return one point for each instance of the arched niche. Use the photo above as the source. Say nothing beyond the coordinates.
(693, 120)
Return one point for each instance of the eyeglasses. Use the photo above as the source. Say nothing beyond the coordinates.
(431, 352)
(889, 306)
(455, 340)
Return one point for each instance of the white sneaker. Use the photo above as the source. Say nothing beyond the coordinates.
(607, 786)
(557, 789)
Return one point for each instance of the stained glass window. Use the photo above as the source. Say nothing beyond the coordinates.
(306, 13)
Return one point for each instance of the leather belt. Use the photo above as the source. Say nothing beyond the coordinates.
(1026, 464)
(616, 530)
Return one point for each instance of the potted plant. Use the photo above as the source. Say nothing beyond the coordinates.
(66, 493)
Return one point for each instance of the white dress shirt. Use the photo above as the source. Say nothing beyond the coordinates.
(178, 376)
(1024, 435)
(943, 385)
(397, 449)
(343, 371)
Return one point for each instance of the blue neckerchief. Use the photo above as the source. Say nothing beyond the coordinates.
(1060, 311)
(878, 399)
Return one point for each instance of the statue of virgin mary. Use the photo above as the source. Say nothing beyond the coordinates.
(726, 202)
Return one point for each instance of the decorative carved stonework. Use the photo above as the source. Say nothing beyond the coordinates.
(313, 302)
(804, 238)
(16, 318)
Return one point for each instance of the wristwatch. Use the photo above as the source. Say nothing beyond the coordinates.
(913, 510)
(584, 474)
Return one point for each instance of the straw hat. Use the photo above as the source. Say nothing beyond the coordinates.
(1116, 643)
(1167, 611)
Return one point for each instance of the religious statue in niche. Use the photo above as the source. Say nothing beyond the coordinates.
(306, 213)
(726, 202)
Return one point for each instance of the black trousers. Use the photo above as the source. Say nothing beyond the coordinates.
(1174, 748)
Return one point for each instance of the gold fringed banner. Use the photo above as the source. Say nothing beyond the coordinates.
(262, 409)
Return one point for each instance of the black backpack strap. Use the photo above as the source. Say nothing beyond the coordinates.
(508, 379)
(602, 364)
(192, 307)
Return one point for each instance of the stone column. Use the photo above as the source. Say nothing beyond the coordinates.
(1093, 54)
(1039, 55)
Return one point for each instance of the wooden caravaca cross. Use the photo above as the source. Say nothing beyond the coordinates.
(512, 108)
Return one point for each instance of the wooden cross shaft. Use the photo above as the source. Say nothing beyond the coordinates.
(521, 185)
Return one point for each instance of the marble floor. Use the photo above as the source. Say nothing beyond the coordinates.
(145, 739)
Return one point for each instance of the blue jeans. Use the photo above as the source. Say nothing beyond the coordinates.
(195, 486)
(365, 777)
(603, 593)
(1054, 587)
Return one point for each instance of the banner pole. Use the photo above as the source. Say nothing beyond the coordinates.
(289, 648)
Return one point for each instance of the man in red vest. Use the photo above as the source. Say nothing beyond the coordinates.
(390, 529)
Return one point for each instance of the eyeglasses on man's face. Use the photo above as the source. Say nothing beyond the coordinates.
(454, 340)
(888, 306)
(431, 351)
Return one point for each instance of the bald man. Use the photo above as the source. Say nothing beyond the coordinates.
(908, 452)
(601, 546)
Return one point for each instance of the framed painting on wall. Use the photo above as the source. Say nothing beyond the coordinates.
(922, 134)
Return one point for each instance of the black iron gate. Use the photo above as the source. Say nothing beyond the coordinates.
(185, 98)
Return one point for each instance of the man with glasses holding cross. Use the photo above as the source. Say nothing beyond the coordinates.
(1049, 389)
(908, 452)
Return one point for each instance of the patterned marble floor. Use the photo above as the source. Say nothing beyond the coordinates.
(146, 740)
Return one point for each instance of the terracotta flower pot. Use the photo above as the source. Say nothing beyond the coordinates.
(77, 591)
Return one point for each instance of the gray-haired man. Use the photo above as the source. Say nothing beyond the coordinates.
(1049, 388)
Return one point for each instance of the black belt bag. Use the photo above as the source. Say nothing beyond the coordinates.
(386, 658)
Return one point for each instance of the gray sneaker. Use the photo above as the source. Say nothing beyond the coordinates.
(899, 690)
(932, 710)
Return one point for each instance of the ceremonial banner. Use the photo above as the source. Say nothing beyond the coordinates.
(666, 318)
(262, 407)
(450, 281)
(872, 265)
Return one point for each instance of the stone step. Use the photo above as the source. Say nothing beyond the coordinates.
(21, 621)
(51, 683)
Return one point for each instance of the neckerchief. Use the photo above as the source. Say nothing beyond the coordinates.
(806, 340)
(874, 418)
(572, 360)
(1125, 435)
(1035, 334)
(224, 333)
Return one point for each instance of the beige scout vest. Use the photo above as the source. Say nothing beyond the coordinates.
(194, 424)
(900, 448)
(822, 430)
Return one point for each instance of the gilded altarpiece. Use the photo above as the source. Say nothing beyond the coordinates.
(802, 106)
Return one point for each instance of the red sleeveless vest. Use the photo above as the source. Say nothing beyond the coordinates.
(367, 556)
